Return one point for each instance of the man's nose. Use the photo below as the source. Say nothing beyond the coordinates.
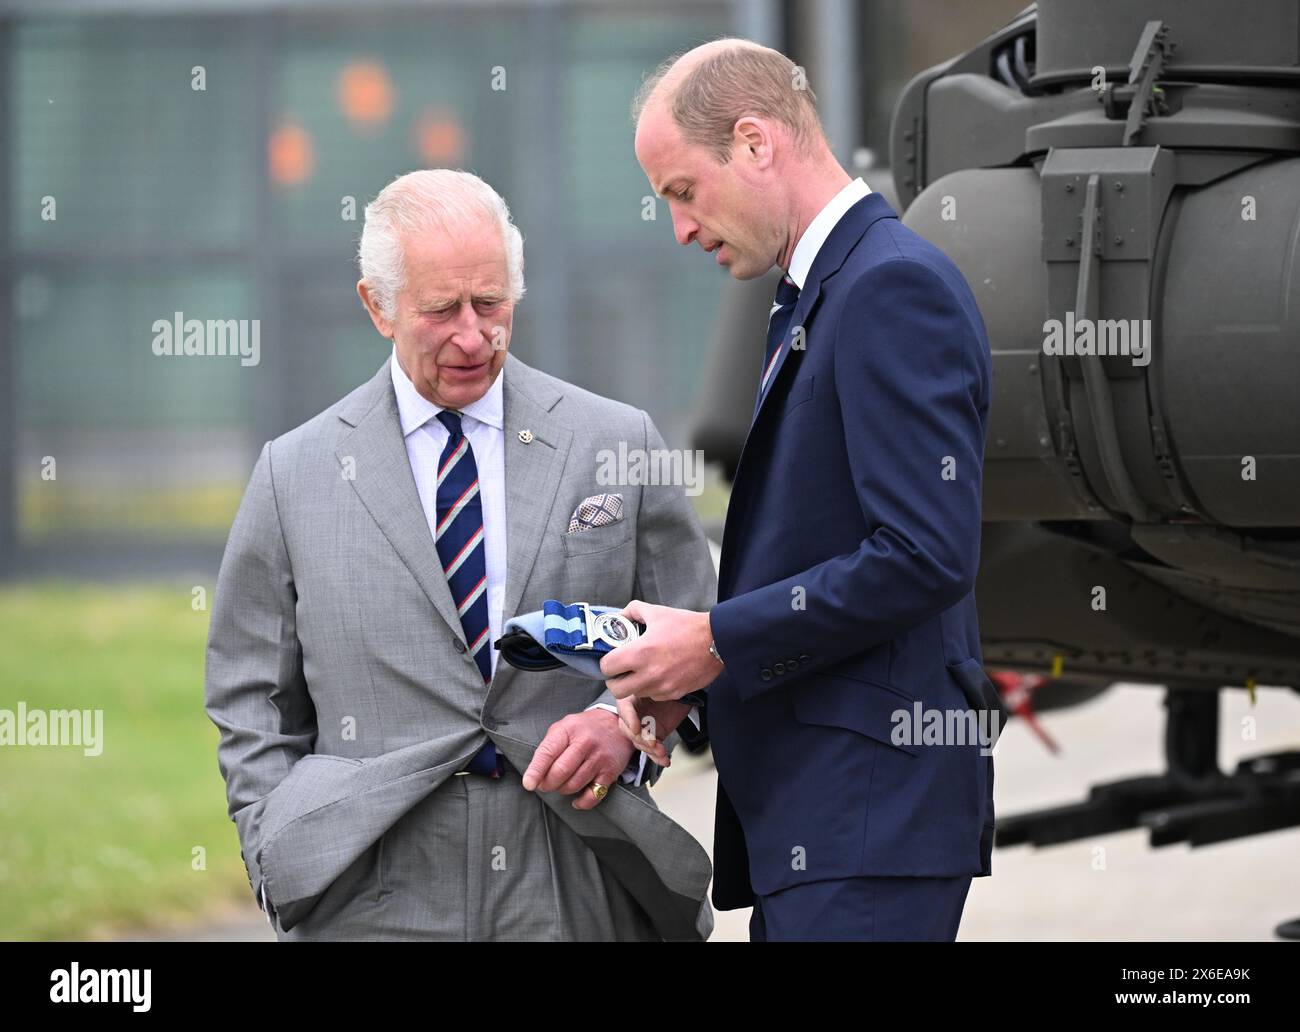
(684, 228)
(467, 330)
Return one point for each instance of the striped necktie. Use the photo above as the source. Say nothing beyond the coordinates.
(459, 540)
(787, 296)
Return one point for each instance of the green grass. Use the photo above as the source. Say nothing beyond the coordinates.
(48, 509)
(90, 843)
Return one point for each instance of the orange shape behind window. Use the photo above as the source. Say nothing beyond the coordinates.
(365, 94)
(290, 154)
(440, 139)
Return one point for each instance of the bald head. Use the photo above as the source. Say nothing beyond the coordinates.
(708, 89)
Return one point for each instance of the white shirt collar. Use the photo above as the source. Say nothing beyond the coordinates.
(805, 251)
(415, 409)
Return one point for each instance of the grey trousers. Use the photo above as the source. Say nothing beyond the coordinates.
(479, 859)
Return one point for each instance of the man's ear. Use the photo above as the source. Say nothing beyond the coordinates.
(383, 325)
(755, 136)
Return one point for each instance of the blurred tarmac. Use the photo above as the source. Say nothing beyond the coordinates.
(1231, 892)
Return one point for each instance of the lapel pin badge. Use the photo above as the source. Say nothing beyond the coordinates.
(526, 436)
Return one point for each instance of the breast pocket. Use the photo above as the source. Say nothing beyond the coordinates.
(596, 565)
(597, 539)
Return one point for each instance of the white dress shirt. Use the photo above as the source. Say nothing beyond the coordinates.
(483, 422)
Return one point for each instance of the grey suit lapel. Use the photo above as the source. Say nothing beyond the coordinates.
(376, 454)
(533, 471)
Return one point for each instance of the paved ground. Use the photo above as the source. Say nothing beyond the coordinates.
(1235, 891)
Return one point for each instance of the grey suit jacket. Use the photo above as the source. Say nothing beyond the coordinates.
(337, 670)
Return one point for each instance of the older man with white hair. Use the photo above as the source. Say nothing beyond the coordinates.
(388, 778)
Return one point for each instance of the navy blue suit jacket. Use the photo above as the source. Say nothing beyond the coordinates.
(846, 586)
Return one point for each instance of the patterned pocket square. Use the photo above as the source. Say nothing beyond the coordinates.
(597, 511)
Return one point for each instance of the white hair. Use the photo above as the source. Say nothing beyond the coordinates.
(429, 200)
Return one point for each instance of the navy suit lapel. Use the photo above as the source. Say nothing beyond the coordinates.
(847, 232)
(798, 325)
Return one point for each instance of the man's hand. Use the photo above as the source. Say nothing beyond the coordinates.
(577, 750)
(669, 660)
(648, 723)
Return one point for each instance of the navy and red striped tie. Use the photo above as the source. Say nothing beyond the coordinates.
(787, 296)
(459, 540)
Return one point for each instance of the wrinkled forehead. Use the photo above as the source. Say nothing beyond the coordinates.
(456, 248)
(461, 231)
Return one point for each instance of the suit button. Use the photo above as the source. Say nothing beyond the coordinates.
(803, 658)
(792, 665)
(489, 724)
(460, 645)
(766, 674)
(779, 668)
